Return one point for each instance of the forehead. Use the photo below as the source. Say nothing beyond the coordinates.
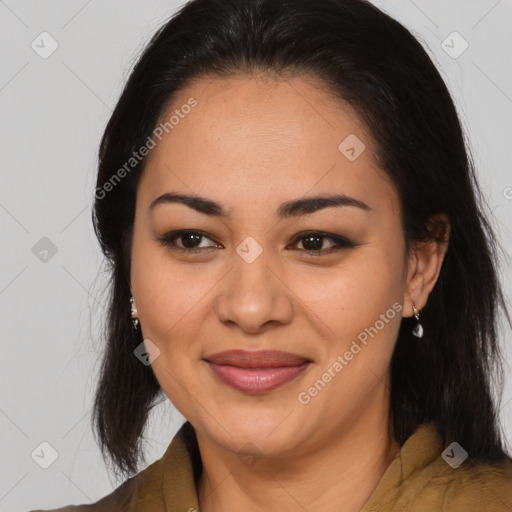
(250, 138)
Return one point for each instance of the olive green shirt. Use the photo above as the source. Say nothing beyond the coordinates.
(418, 480)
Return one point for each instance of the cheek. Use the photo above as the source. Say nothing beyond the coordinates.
(169, 302)
(351, 297)
(165, 293)
(361, 306)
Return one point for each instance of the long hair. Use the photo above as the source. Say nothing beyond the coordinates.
(365, 58)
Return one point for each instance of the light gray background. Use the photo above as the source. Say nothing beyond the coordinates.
(53, 112)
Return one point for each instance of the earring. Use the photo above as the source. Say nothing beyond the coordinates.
(135, 320)
(418, 329)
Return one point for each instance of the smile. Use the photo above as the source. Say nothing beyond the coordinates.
(256, 372)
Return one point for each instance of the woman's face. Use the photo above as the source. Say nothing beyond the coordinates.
(248, 283)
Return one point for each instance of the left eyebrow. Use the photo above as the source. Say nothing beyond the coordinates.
(312, 204)
(288, 209)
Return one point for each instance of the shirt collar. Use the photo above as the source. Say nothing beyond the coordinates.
(179, 488)
(180, 492)
(418, 452)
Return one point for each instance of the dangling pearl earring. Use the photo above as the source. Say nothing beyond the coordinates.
(135, 320)
(418, 329)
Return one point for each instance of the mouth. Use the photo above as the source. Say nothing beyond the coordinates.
(256, 372)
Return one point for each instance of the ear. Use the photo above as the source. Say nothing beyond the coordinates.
(425, 263)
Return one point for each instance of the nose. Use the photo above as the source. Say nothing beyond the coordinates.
(253, 297)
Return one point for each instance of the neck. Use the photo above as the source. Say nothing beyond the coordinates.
(340, 475)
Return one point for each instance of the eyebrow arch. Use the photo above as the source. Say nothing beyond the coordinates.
(288, 209)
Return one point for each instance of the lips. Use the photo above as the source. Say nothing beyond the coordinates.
(256, 359)
(256, 371)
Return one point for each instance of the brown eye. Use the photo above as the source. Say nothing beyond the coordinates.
(185, 241)
(313, 242)
(189, 240)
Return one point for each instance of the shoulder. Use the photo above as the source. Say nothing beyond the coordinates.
(467, 486)
(167, 484)
(474, 487)
(422, 479)
(129, 494)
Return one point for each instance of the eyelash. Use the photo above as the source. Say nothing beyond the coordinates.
(341, 242)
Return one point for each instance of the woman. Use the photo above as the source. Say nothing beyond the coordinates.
(301, 265)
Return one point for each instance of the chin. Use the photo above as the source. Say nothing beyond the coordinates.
(262, 433)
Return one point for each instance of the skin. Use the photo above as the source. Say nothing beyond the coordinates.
(251, 144)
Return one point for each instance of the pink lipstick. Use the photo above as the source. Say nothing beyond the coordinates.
(256, 371)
